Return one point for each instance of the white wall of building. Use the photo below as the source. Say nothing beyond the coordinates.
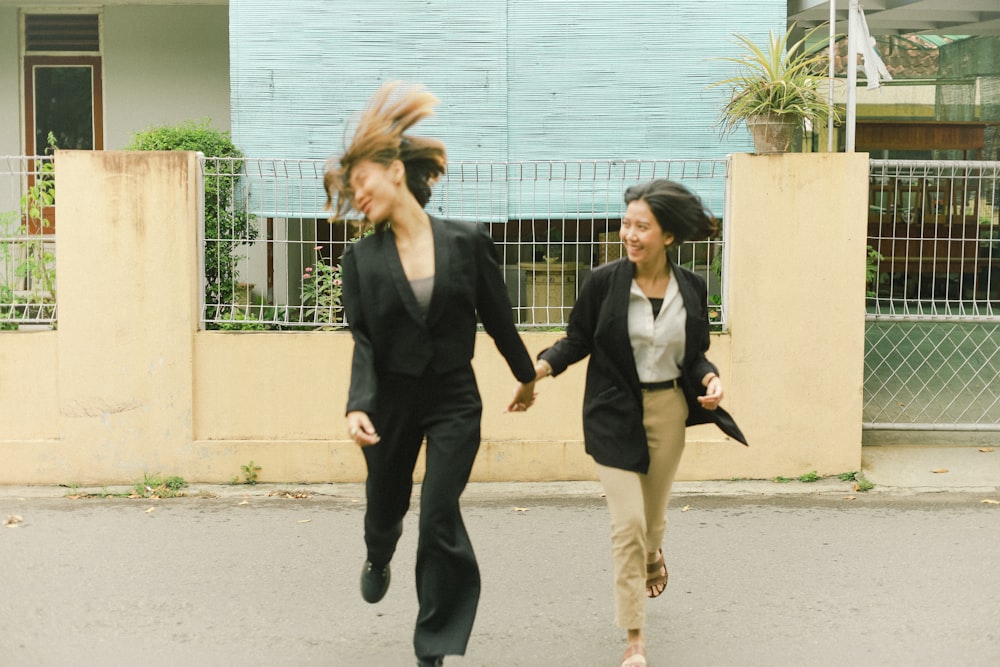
(164, 65)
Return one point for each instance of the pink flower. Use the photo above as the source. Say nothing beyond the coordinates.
(336, 281)
(306, 276)
(309, 269)
(319, 247)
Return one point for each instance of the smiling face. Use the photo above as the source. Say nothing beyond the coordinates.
(644, 240)
(377, 188)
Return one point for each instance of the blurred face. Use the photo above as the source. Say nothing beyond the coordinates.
(644, 240)
(376, 188)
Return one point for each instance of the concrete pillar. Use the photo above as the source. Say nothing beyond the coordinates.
(797, 308)
(128, 309)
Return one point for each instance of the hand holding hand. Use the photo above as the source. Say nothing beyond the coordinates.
(713, 394)
(361, 429)
(524, 397)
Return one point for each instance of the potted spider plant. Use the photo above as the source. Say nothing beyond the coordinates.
(775, 90)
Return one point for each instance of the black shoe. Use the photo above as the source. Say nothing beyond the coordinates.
(435, 661)
(374, 582)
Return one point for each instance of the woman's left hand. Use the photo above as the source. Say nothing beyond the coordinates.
(713, 394)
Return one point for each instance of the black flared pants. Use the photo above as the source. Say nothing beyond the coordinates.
(447, 410)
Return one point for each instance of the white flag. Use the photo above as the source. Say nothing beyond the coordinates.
(875, 69)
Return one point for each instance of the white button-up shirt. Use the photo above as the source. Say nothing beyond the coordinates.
(657, 343)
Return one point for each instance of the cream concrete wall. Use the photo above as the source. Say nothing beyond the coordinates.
(128, 386)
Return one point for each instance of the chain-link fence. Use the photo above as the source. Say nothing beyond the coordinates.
(932, 336)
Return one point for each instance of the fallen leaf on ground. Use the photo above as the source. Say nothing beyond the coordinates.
(990, 501)
(289, 494)
(850, 497)
(938, 470)
(13, 520)
(305, 520)
(685, 508)
(245, 502)
(151, 509)
(986, 450)
(520, 509)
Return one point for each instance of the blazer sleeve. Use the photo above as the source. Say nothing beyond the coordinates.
(364, 383)
(579, 340)
(493, 306)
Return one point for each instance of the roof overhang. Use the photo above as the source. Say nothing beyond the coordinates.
(899, 17)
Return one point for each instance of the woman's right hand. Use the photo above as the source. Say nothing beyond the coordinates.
(361, 429)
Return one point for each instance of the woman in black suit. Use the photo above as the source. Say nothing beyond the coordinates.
(643, 321)
(412, 292)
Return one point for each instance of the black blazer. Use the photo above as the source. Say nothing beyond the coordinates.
(389, 329)
(612, 404)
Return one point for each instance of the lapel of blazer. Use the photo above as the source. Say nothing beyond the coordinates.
(617, 313)
(694, 327)
(442, 268)
(394, 267)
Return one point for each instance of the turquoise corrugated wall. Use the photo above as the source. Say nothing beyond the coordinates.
(518, 79)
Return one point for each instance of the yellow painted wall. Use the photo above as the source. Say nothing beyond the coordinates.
(128, 386)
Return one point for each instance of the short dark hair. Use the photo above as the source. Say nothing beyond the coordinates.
(677, 210)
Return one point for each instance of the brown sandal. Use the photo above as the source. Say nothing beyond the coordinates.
(635, 656)
(656, 577)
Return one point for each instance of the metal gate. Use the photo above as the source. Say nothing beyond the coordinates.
(932, 340)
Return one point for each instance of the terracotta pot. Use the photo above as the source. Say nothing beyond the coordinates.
(775, 133)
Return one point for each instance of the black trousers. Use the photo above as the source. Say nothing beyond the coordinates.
(447, 410)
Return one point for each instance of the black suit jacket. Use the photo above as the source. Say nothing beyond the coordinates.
(391, 334)
(612, 405)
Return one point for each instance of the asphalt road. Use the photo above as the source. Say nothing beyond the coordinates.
(254, 577)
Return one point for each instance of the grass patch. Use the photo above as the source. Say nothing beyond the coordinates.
(151, 486)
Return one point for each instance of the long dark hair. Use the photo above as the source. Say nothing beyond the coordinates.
(380, 137)
(677, 210)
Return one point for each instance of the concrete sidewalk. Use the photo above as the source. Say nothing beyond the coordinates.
(893, 469)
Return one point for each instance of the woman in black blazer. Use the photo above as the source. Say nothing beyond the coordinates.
(412, 292)
(643, 321)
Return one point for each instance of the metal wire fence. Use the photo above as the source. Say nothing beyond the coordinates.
(27, 243)
(277, 266)
(934, 238)
(932, 340)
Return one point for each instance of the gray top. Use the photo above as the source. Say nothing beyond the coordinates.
(422, 289)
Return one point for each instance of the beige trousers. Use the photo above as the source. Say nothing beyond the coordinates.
(638, 503)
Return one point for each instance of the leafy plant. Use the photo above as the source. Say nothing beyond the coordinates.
(871, 272)
(809, 477)
(237, 319)
(250, 472)
(321, 292)
(779, 78)
(7, 311)
(154, 486)
(227, 225)
(28, 256)
(861, 482)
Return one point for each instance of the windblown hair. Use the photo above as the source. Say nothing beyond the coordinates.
(381, 137)
(677, 210)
